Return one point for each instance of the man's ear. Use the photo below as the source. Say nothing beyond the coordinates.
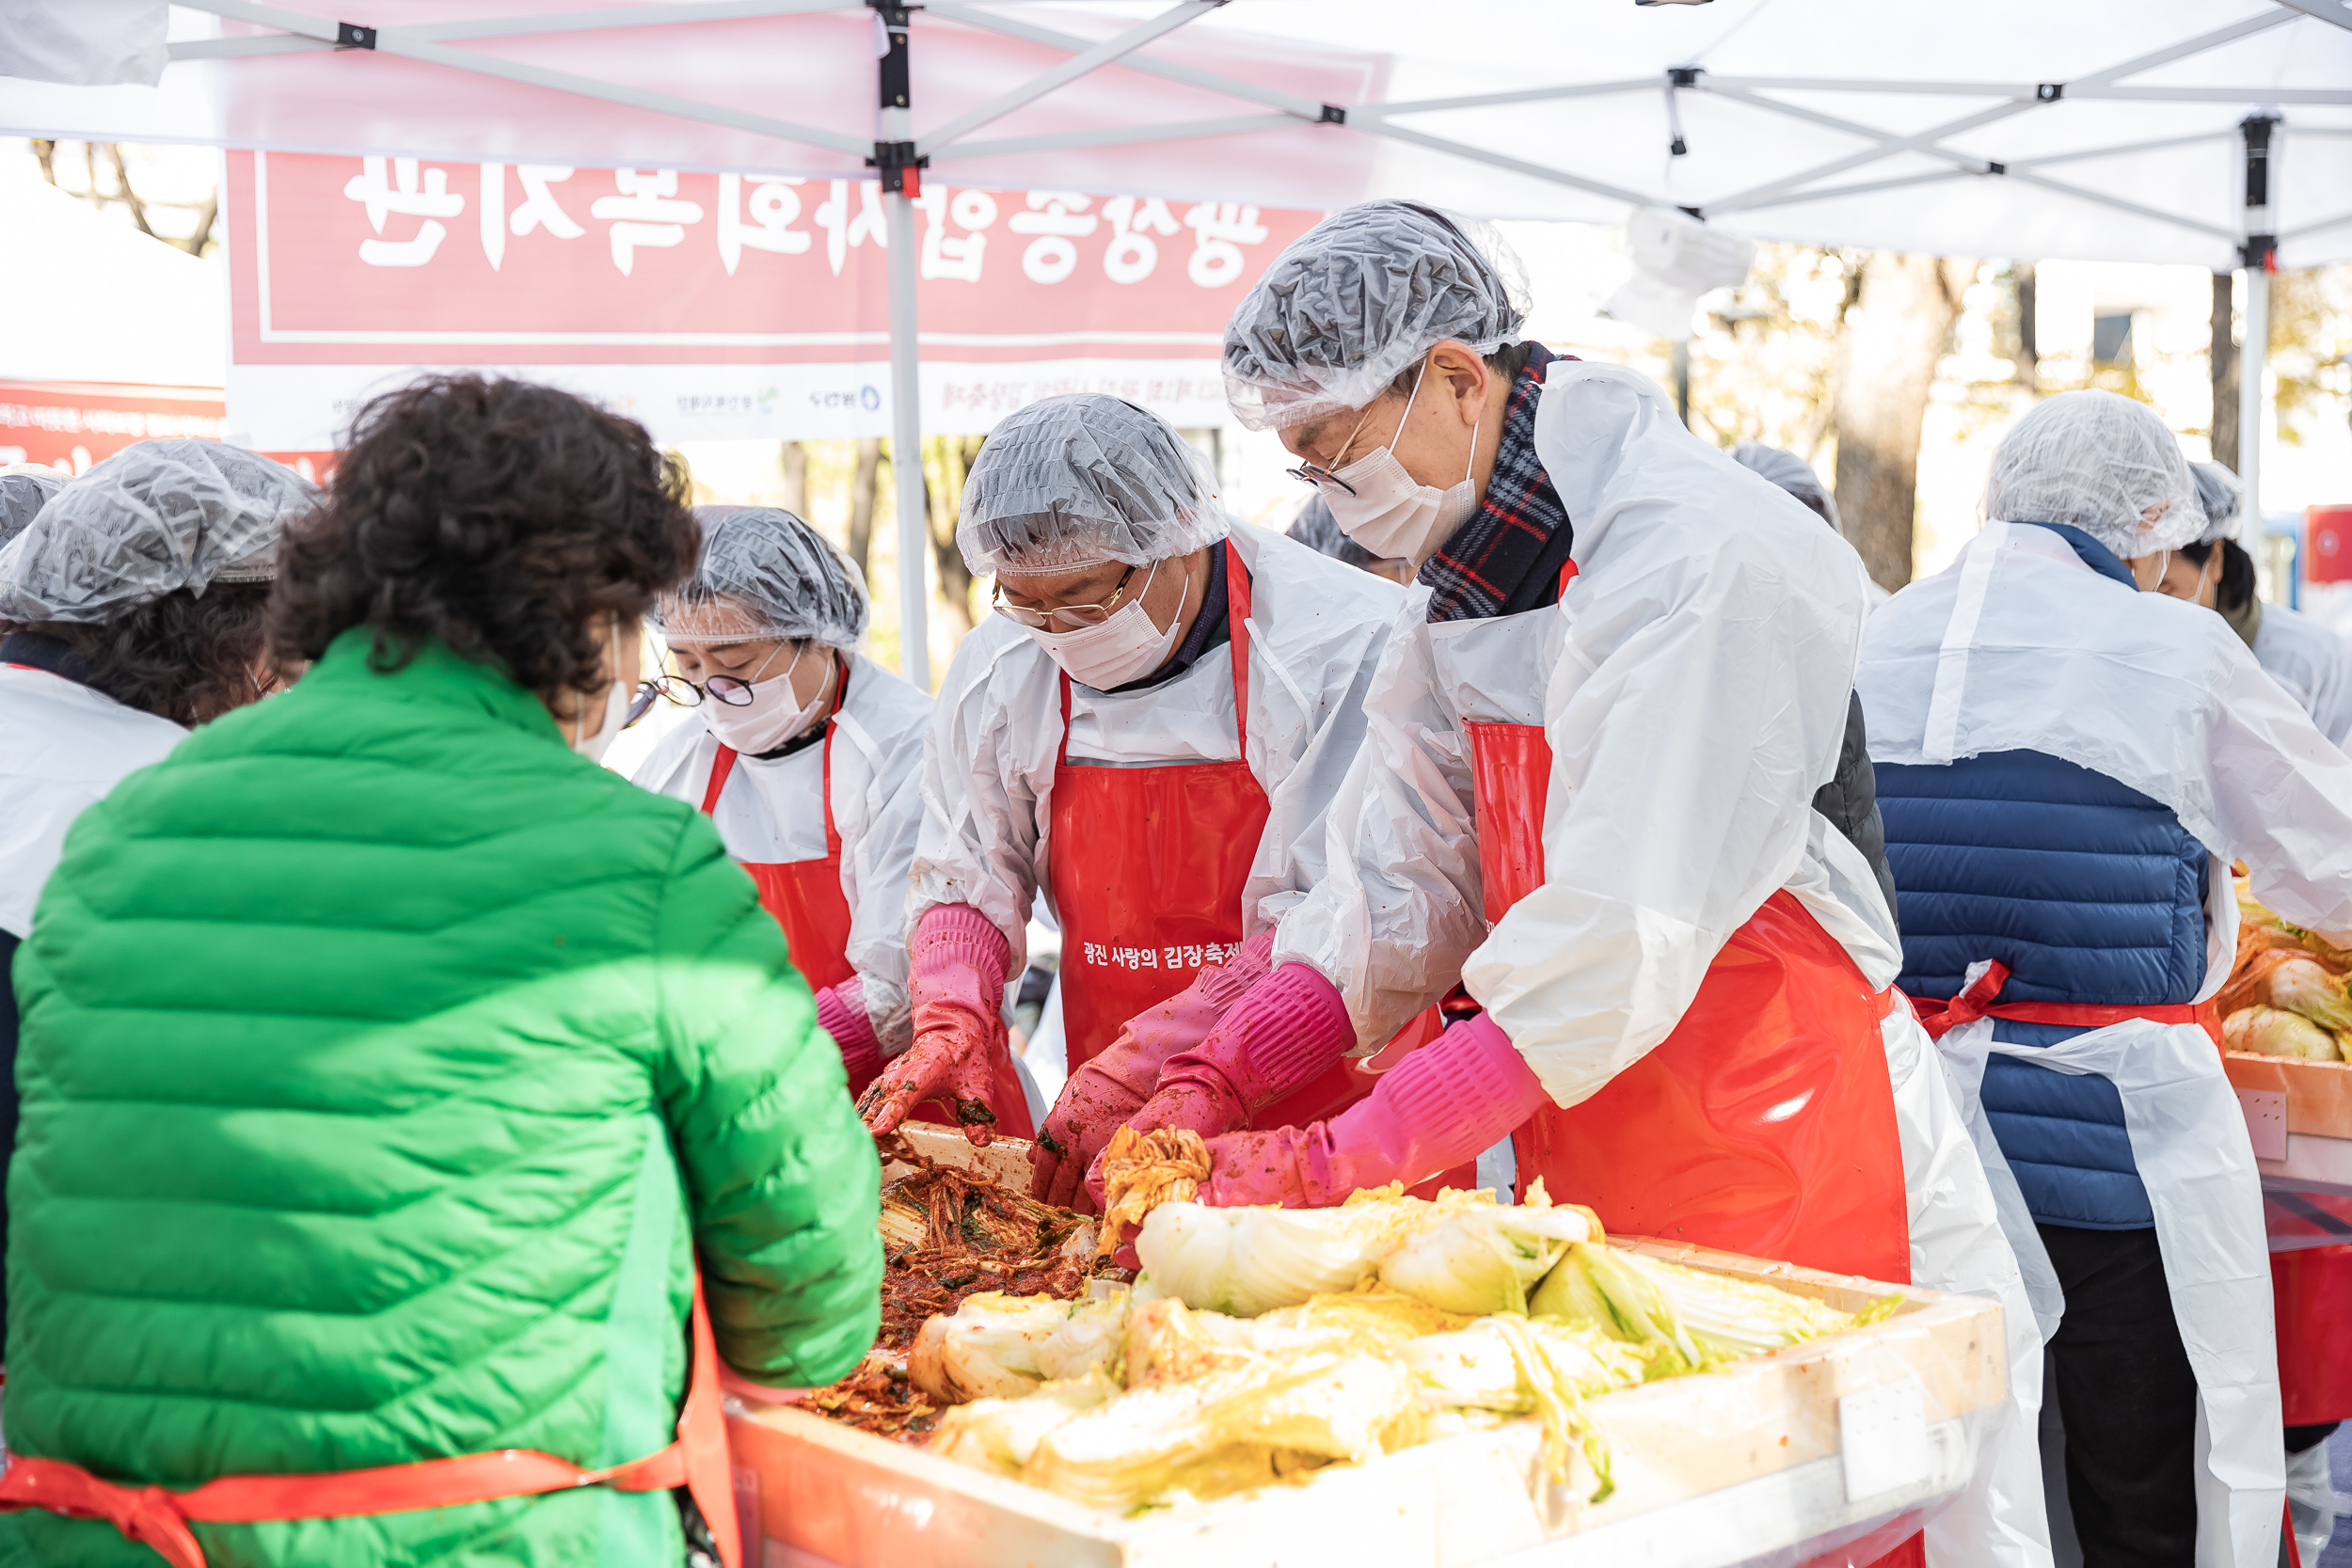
(1465, 377)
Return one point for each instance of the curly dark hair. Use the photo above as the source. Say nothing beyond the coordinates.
(503, 518)
(186, 656)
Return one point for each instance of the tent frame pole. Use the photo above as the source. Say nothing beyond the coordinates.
(901, 172)
(906, 446)
(2260, 135)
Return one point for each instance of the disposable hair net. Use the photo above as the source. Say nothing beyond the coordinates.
(2102, 462)
(2219, 493)
(1358, 298)
(763, 574)
(1074, 481)
(155, 518)
(1315, 527)
(1791, 473)
(25, 489)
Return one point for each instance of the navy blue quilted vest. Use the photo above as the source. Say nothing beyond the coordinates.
(2089, 892)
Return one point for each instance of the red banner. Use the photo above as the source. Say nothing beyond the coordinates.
(718, 305)
(71, 425)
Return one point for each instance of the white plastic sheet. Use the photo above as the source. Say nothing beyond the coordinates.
(67, 747)
(2153, 693)
(2188, 1139)
(2313, 662)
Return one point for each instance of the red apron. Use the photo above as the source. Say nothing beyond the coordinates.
(1764, 1124)
(804, 896)
(1149, 864)
(697, 1460)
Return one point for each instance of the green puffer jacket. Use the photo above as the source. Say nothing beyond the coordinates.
(384, 1065)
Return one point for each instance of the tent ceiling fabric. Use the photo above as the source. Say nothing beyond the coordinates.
(1826, 120)
(1843, 122)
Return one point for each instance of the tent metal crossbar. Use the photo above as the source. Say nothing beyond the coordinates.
(2092, 90)
(1814, 117)
(2325, 11)
(1124, 136)
(2121, 205)
(898, 157)
(2302, 229)
(1928, 140)
(1866, 187)
(1362, 112)
(1069, 70)
(418, 44)
(1307, 110)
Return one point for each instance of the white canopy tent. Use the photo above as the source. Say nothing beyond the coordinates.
(2215, 132)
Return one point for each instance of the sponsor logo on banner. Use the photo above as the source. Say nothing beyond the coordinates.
(758, 303)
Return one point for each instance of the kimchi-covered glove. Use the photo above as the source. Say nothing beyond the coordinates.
(956, 979)
(1290, 1028)
(1440, 1106)
(1113, 1085)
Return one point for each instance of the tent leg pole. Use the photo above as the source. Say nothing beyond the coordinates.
(2252, 357)
(906, 446)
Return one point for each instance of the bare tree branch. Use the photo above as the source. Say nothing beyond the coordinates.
(205, 217)
(130, 196)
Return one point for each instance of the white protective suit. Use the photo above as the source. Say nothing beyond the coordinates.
(770, 812)
(2020, 646)
(2314, 663)
(1693, 683)
(1316, 629)
(62, 747)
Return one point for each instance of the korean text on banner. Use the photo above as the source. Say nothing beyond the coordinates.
(714, 306)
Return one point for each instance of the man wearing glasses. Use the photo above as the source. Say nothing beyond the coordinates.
(1148, 731)
(805, 758)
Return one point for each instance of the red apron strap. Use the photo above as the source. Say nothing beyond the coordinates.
(1061, 759)
(721, 766)
(824, 789)
(1237, 623)
(698, 1461)
(1976, 1001)
(702, 1442)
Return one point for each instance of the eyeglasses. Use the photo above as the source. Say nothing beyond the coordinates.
(1075, 617)
(685, 693)
(1307, 473)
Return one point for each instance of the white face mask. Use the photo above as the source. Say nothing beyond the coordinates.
(593, 744)
(1388, 513)
(769, 718)
(1127, 646)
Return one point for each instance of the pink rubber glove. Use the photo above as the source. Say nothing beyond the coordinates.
(1286, 1031)
(1441, 1105)
(957, 982)
(841, 1013)
(1112, 1087)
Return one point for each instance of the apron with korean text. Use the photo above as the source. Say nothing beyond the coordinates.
(1147, 867)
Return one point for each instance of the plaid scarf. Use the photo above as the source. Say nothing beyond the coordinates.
(1517, 530)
